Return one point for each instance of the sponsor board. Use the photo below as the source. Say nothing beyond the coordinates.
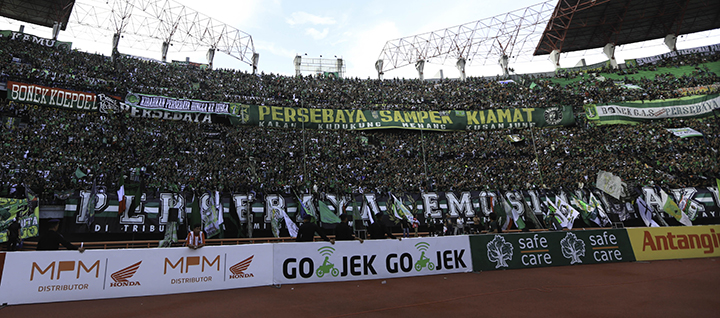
(526, 250)
(68, 275)
(675, 242)
(343, 261)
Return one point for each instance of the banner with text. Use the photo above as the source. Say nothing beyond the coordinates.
(675, 242)
(48, 96)
(18, 36)
(526, 250)
(179, 105)
(352, 119)
(702, 49)
(250, 214)
(297, 263)
(27, 212)
(637, 111)
(47, 276)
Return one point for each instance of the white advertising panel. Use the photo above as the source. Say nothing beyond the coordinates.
(343, 261)
(35, 277)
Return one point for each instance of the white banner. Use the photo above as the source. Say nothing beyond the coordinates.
(344, 261)
(684, 132)
(646, 111)
(49, 276)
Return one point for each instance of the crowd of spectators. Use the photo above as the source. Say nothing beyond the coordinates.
(43, 147)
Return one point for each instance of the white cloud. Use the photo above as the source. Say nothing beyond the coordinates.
(317, 35)
(272, 48)
(368, 43)
(304, 17)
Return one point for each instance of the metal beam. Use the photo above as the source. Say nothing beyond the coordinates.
(476, 42)
(146, 24)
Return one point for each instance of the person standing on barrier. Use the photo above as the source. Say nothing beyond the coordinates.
(14, 235)
(51, 240)
(494, 226)
(405, 225)
(415, 225)
(307, 230)
(343, 232)
(379, 231)
(196, 237)
(477, 224)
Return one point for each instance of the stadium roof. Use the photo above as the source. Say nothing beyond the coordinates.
(40, 12)
(587, 24)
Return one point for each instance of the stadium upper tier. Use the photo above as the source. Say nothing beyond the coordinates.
(96, 73)
(43, 147)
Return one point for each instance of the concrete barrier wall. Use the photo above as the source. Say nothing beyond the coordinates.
(48, 276)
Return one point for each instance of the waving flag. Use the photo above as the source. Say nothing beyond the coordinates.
(560, 217)
(500, 207)
(672, 208)
(645, 213)
(402, 209)
(327, 216)
(610, 184)
(595, 204)
(122, 200)
(519, 222)
(305, 211)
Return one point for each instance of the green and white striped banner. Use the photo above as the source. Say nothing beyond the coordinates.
(639, 111)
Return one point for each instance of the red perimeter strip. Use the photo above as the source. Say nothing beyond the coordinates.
(682, 288)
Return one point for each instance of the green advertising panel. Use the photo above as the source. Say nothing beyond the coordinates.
(527, 250)
(639, 111)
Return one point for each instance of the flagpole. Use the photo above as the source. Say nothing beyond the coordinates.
(303, 143)
(537, 159)
(422, 145)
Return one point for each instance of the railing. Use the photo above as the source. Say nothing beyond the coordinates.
(31, 246)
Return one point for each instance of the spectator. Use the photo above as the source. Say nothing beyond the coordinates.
(196, 237)
(51, 240)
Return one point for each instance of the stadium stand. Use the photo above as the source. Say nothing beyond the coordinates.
(44, 146)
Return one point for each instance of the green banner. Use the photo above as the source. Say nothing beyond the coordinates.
(352, 119)
(525, 250)
(639, 111)
(28, 213)
(18, 36)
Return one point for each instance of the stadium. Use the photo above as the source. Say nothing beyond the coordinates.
(611, 162)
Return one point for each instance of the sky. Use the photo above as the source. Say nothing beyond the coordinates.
(355, 31)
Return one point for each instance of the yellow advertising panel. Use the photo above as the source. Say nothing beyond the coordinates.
(655, 243)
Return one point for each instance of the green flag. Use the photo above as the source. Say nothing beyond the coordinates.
(402, 209)
(672, 208)
(327, 216)
(499, 209)
(195, 217)
(582, 207)
(519, 222)
(79, 174)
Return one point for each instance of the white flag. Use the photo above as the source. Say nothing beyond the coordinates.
(610, 184)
